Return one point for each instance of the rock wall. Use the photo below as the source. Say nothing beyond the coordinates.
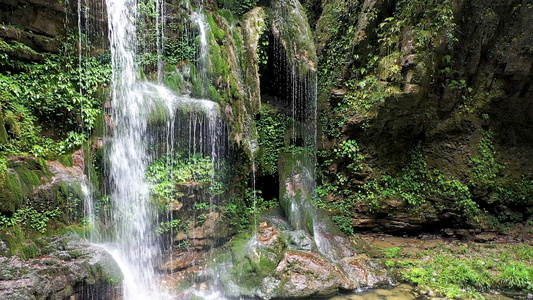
(448, 83)
(41, 24)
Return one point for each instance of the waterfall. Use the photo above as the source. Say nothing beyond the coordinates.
(135, 249)
(149, 123)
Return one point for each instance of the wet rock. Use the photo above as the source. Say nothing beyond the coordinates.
(211, 231)
(268, 266)
(306, 274)
(268, 236)
(300, 240)
(182, 259)
(363, 272)
(486, 237)
(70, 268)
(189, 277)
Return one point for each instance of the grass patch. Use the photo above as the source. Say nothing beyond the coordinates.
(462, 271)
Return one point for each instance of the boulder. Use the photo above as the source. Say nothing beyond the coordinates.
(182, 259)
(286, 264)
(67, 267)
(306, 274)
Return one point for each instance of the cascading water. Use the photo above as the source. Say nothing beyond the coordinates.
(135, 249)
(198, 18)
(149, 122)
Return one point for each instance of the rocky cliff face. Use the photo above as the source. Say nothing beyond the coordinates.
(41, 24)
(428, 103)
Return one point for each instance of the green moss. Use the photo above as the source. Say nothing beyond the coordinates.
(291, 23)
(228, 15)
(28, 250)
(219, 66)
(99, 129)
(250, 268)
(43, 166)
(90, 168)
(218, 33)
(14, 238)
(213, 94)
(11, 196)
(157, 113)
(174, 81)
(66, 160)
(28, 177)
(3, 132)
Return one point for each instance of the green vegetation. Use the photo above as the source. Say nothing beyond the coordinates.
(414, 185)
(242, 210)
(271, 128)
(465, 276)
(57, 92)
(165, 173)
(455, 270)
(168, 226)
(30, 219)
(238, 7)
(489, 185)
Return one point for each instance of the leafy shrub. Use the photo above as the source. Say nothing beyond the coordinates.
(30, 218)
(57, 92)
(165, 172)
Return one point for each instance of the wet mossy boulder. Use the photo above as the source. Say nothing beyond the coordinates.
(38, 198)
(23, 175)
(276, 263)
(67, 266)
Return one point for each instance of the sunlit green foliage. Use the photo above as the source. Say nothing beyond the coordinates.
(465, 274)
(58, 92)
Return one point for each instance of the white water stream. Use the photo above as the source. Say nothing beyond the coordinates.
(135, 248)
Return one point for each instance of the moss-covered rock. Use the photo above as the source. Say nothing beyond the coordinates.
(12, 195)
(393, 76)
(3, 132)
(277, 263)
(70, 267)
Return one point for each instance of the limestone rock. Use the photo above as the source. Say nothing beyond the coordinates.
(268, 266)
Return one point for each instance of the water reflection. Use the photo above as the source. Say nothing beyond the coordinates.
(401, 292)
